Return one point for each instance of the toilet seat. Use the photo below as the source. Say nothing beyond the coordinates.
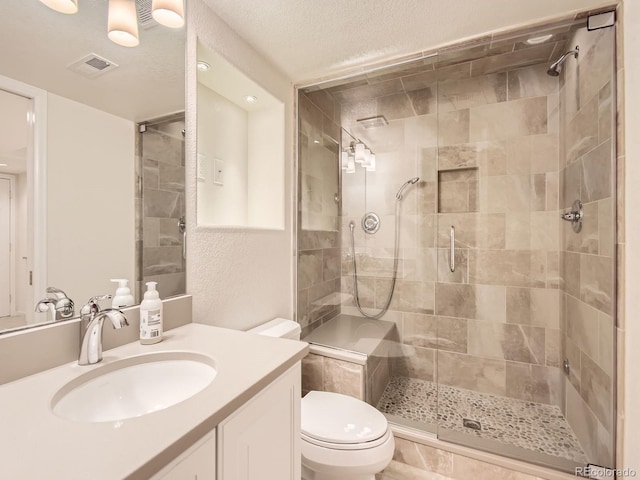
(337, 421)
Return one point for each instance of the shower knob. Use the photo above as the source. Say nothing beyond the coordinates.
(371, 223)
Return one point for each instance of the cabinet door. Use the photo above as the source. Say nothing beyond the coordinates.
(197, 463)
(261, 440)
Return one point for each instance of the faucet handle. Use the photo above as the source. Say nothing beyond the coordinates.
(92, 307)
(59, 294)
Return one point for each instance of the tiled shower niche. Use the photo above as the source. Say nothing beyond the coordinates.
(501, 149)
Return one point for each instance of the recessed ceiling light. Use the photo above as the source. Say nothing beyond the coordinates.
(316, 141)
(250, 99)
(540, 39)
(203, 66)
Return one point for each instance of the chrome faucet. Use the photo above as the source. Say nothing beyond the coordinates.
(58, 303)
(92, 320)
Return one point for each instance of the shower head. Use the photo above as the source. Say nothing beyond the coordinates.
(556, 67)
(411, 181)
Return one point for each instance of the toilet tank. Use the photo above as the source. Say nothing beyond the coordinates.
(280, 328)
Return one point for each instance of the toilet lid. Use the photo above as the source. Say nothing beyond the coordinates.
(335, 418)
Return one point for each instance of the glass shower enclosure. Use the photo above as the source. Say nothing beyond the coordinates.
(500, 331)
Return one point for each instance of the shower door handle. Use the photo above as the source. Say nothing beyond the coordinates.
(452, 251)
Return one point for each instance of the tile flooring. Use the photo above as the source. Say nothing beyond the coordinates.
(532, 426)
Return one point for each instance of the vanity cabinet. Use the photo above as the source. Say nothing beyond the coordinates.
(197, 463)
(261, 440)
(258, 441)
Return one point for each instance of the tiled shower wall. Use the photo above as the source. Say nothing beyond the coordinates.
(484, 140)
(318, 236)
(586, 103)
(160, 205)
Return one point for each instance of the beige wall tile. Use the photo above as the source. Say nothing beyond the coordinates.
(572, 353)
(508, 267)
(598, 61)
(596, 174)
(472, 230)
(582, 131)
(417, 362)
(570, 269)
(588, 240)
(343, 377)
(596, 282)
(606, 119)
(507, 120)
(538, 307)
(552, 191)
(471, 92)
(531, 82)
(461, 270)
(583, 422)
(553, 353)
(420, 330)
(497, 63)
(534, 383)
(596, 390)
(582, 325)
(545, 234)
(312, 372)
(485, 375)
(606, 227)
(506, 341)
(423, 457)
(483, 302)
(453, 127)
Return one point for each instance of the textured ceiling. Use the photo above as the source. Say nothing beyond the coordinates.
(38, 44)
(309, 39)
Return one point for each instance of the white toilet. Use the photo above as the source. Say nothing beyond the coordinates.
(343, 438)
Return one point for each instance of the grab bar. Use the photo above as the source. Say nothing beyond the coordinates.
(452, 251)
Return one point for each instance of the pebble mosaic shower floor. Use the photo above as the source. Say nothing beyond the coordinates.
(533, 426)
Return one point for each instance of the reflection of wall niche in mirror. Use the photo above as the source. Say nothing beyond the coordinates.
(80, 152)
(240, 149)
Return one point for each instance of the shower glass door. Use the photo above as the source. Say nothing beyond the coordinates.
(518, 291)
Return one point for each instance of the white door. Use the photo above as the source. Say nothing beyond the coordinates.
(5, 247)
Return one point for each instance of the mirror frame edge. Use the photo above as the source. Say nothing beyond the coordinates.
(36, 188)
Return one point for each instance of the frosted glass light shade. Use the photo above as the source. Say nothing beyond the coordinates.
(372, 163)
(351, 165)
(123, 23)
(359, 152)
(169, 13)
(62, 6)
(345, 160)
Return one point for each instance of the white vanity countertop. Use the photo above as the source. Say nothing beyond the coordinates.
(35, 444)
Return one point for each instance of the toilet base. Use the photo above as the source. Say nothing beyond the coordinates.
(308, 474)
(320, 463)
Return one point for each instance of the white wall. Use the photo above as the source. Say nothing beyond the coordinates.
(266, 170)
(90, 199)
(632, 234)
(222, 134)
(22, 245)
(238, 277)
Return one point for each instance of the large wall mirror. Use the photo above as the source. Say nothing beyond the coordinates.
(91, 157)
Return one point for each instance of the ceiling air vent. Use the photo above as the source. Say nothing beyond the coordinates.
(92, 66)
(145, 20)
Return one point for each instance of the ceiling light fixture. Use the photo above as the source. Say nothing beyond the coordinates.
(123, 23)
(62, 6)
(203, 66)
(169, 13)
(250, 99)
(540, 39)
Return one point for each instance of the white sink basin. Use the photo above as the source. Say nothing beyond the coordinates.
(134, 386)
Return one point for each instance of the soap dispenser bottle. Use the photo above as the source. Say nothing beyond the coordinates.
(151, 316)
(123, 297)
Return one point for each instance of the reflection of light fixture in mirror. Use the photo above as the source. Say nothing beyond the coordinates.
(123, 23)
(203, 66)
(359, 152)
(250, 99)
(62, 6)
(4, 164)
(169, 13)
(372, 163)
(540, 39)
